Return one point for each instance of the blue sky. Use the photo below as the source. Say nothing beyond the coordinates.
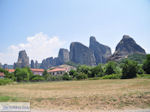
(62, 21)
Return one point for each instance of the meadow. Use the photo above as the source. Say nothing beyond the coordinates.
(81, 95)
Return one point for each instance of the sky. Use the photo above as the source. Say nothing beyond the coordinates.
(41, 27)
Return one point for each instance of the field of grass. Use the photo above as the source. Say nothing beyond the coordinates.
(81, 95)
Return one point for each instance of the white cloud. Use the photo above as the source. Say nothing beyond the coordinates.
(38, 47)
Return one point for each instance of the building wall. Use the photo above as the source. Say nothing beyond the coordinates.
(38, 73)
(57, 73)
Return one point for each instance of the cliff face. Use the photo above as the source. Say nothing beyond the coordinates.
(81, 54)
(101, 52)
(125, 47)
(23, 60)
(32, 64)
(63, 56)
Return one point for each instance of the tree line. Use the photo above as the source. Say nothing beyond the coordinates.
(111, 70)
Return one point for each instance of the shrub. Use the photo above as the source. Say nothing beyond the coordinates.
(97, 71)
(7, 74)
(66, 76)
(37, 78)
(45, 73)
(54, 77)
(140, 70)
(84, 69)
(81, 76)
(110, 68)
(5, 81)
(73, 73)
(129, 69)
(112, 76)
(23, 74)
(146, 64)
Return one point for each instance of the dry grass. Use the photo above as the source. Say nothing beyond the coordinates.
(81, 95)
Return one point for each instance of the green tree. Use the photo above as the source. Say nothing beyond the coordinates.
(45, 74)
(23, 74)
(66, 76)
(129, 69)
(97, 71)
(84, 69)
(81, 76)
(146, 64)
(110, 68)
(73, 73)
(7, 74)
(37, 78)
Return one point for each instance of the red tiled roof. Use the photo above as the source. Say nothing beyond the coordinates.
(57, 69)
(37, 70)
(10, 70)
(2, 74)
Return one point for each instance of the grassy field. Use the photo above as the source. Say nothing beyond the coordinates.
(81, 95)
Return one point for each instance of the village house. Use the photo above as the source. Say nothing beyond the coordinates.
(57, 71)
(37, 71)
(10, 70)
(2, 75)
(34, 71)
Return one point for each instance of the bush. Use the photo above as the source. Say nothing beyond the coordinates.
(37, 78)
(66, 76)
(45, 73)
(97, 71)
(5, 81)
(73, 73)
(110, 68)
(129, 69)
(140, 70)
(7, 74)
(112, 76)
(54, 77)
(81, 76)
(84, 69)
(23, 74)
(146, 64)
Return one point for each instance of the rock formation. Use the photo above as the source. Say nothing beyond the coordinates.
(81, 54)
(5, 66)
(101, 52)
(126, 46)
(23, 60)
(63, 56)
(36, 65)
(32, 64)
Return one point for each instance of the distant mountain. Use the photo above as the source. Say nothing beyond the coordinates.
(125, 47)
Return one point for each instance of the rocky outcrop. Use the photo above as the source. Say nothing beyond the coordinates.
(126, 46)
(23, 60)
(81, 54)
(101, 52)
(32, 64)
(36, 64)
(63, 56)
